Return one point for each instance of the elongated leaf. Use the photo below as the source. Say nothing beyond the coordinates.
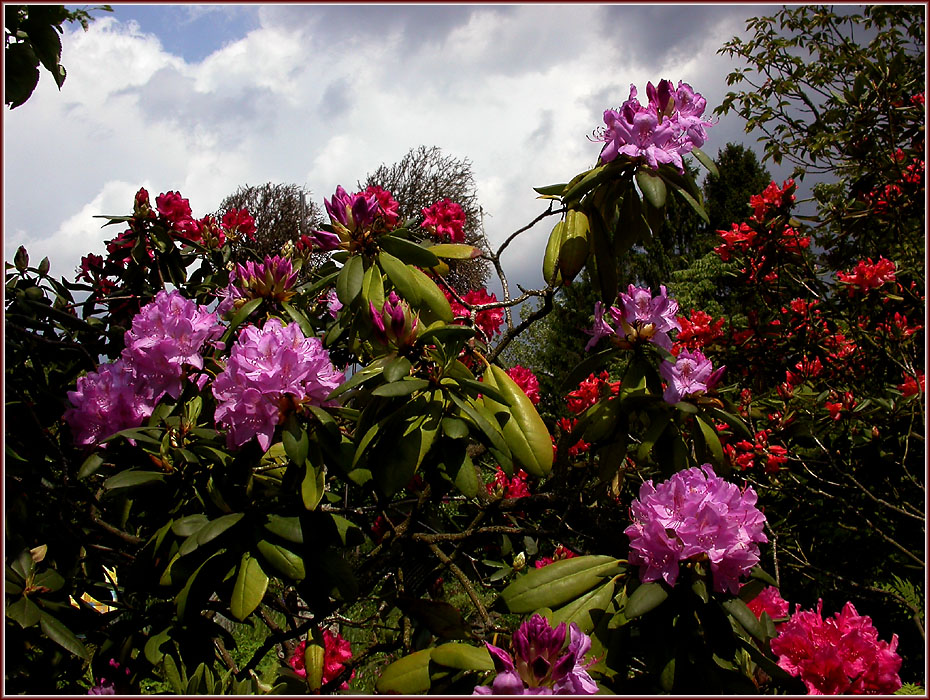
(408, 251)
(462, 656)
(349, 281)
(645, 598)
(431, 297)
(23, 611)
(299, 318)
(241, 315)
(173, 675)
(712, 441)
(454, 251)
(249, 589)
(61, 635)
(296, 446)
(583, 611)
(652, 187)
(397, 368)
(373, 287)
(90, 465)
(312, 487)
(363, 375)
(406, 676)
(283, 560)
(490, 430)
(558, 583)
(404, 387)
(286, 528)
(551, 190)
(401, 277)
(132, 477)
(706, 161)
(740, 612)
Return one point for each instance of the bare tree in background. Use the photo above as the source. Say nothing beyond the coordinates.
(282, 212)
(421, 178)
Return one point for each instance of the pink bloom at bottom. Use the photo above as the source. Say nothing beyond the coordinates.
(336, 652)
(839, 655)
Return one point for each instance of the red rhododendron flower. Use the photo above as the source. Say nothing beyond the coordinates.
(488, 320)
(772, 199)
(336, 652)
(527, 381)
(445, 219)
(559, 553)
(239, 222)
(509, 487)
(769, 600)
(700, 330)
(867, 275)
(589, 391)
(390, 208)
(911, 386)
(839, 655)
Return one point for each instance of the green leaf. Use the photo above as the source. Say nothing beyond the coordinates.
(462, 656)
(711, 440)
(283, 560)
(173, 676)
(61, 635)
(551, 190)
(132, 477)
(209, 532)
(241, 315)
(298, 317)
(312, 487)
(490, 430)
(706, 161)
(373, 287)
(454, 251)
(646, 597)
(408, 251)
(396, 369)
(740, 612)
(583, 611)
(454, 428)
(286, 528)
(21, 72)
(431, 296)
(404, 387)
(408, 675)
(558, 583)
(466, 478)
(296, 446)
(249, 589)
(652, 187)
(349, 281)
(362, 375)
(401, 277)
(90, 465)
(23, 611)
(446, 334)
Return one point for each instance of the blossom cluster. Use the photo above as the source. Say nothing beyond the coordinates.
(640, 316)
(590, 391)
(336, 652)
(560, 552)
(445, 219)
(695, 515)
(698, 331)
(527, 381)
(487, 320)
(690, 375)
(503, 486)
(839, 655)
(272, 279)
(867, 275)
(541, 663)
(669, 126)
(744, 454)
(165, 341)
(269, 371)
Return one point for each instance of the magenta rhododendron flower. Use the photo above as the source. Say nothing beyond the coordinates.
(107, 401)
(526, 380)
(662, 131)
(640, 316)
(445, 219)
(509, 487)
(541, 664)
(268, 372)
(839, 655)
(691, 374)
(487, 320)
(557, 555)
(166, 338)
(389, 207)
(336, 652)
(177, 211)
(695, 515)
(769, 601)
(352, 217)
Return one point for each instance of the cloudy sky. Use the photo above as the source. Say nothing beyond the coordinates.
(205, 98)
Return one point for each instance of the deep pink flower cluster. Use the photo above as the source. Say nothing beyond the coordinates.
(867, 275)
(560, 553)
(640, 316)
(695, 515)
(390, 208)
(662, 131)
(509, 487)
(691, 374)
(540, 665)
(488, 320)
(526, 380)
(839, 655)
(445, 219)
(769, 601)
(164, 342)
(176, 211)
(268, 371)
(336, 652)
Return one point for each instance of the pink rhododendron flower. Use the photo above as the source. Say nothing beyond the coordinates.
(769, 600)
(559, 554)
(527, 381)
(107, 401)
(839, 655)
(695, 514)
(509, 487)
(268, 372)
(272, 279)
(445, 219)
(336, 652)
(487, 320)
(238, 222)
(691, 374)
(166, 338)
(390, 208)
(177, 211)
(541, 665)
(351, 216)
(640, 316)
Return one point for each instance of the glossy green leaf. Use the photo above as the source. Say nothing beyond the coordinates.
(373, 287)
(396, 369)
(586, 610)
(431, 297)
(249, 589)
(462, 656)
(401, 277)
(241, 315)
(188, 525)
(747, 619)
(551, 190)
(653, 188)
(296, 443)
(209, 532)
(132, 477)
(558, 583)
(404, 387)
(490, 429)
(312, 486)
(711, 440)
(23, 611)
(298, 317)
(706, 161)
(408, 675)
(466, 478)
(408, 251)
(645, 598)
(287, 528)
(454, 428)
(349, 281)
(446, 334)
(90, 465)
(362, 375)
(283, 560)
(61, 635)
(174, 676)
(454, 251)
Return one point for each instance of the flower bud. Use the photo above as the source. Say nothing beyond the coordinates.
(395, 324)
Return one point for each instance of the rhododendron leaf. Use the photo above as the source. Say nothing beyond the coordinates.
(313, 662)
(476, 389)
(408, 675)
(489, 428)
(173, 675)
(396, 369)
(373, 288)
(454, 251)
(646, 597)
(209, 532)
(241, 315)
(312, 486)
(446, 334)
(759, 573)
(349, 281)
(652, 187)
(603, 262)
(349, 533)
(747, 619)
(23, 611)
(462, 656)
(53, 628)
(404, 387)
(249, 589)
(559, 582)
(439, 617)
(730, 419)
(132, 477)
(550, 190)
(681, 186)
(282, 560)
(587, 610)
(287, 528)
(298, 317)
(454, 428)
(363, 375)
(401, 277)
(90, 465)
(656, 428)
(713, 443)
(432, 297)
(466, 477)
(706, 161)
(550, 268)
(296, 443)
(408, 251)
